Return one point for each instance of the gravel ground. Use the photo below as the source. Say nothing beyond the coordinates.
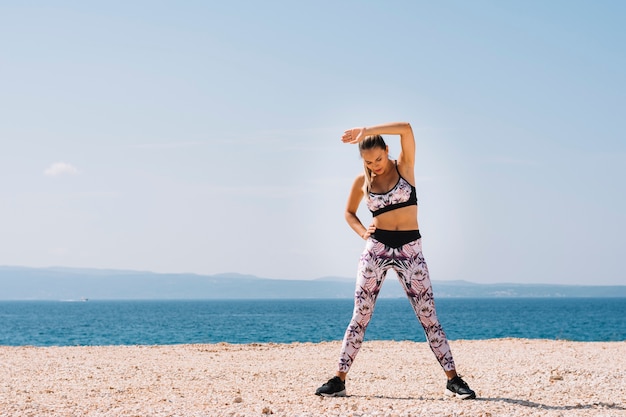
(512, 377)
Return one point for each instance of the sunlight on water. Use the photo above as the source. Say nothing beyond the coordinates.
(45, 323)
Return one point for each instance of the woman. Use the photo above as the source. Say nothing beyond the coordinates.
(393, 242)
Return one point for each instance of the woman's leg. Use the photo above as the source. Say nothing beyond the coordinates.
(373, 266)
(413, 274)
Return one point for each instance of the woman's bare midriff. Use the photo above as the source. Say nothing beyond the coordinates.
(404, 218)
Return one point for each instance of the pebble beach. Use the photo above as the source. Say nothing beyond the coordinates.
(512, 377)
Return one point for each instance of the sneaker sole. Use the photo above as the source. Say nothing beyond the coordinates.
(461, 396)
(334, 394)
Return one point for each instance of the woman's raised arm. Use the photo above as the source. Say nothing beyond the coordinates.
(406, 159)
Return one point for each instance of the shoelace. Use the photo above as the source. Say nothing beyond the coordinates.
(460, 382)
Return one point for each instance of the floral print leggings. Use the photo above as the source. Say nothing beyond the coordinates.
(409, 264)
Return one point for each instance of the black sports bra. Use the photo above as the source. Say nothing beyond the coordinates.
(401, 195)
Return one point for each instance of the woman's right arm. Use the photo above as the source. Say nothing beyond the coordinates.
(354, 199)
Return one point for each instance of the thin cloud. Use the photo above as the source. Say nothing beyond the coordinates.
(60, 168)
(59, 251)
(168, 145)
(288, 138)
(507, 160)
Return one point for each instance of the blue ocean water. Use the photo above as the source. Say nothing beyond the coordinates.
(49, 323)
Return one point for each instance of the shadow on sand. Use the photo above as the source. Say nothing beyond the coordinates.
(531, 404)
(524, 403)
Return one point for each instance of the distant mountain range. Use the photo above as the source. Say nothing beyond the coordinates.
(20, 283)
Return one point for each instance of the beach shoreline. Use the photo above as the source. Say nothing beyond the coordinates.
(516, 377)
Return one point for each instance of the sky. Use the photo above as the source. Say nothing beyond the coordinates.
(204, 137)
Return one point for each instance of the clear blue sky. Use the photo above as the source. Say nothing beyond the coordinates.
(204, 137)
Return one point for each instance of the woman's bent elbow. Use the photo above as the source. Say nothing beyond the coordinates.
(350, 216)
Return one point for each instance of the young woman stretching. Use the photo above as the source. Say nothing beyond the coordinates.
(393, 241)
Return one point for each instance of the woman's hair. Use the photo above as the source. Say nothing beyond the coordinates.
(370, 142)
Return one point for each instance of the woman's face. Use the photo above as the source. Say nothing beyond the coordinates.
(375, 159)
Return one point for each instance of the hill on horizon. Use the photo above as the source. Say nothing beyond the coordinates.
(61, 283)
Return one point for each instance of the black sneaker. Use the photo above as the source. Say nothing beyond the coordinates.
(335, 387)
(456, 386)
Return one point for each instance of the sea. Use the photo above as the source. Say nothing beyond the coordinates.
(97, 323)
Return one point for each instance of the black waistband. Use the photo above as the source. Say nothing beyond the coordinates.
(396, 238)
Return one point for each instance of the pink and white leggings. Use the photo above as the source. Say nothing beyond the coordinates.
(409, 264)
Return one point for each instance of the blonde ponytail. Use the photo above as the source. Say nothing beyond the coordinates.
(370, 142)
(367, 184)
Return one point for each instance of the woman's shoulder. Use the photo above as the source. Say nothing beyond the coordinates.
(360, 179)
(359, 182)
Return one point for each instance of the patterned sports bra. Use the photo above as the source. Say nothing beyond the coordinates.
(401, 195)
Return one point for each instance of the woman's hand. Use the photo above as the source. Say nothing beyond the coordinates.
(354, 135)
(368, 232)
